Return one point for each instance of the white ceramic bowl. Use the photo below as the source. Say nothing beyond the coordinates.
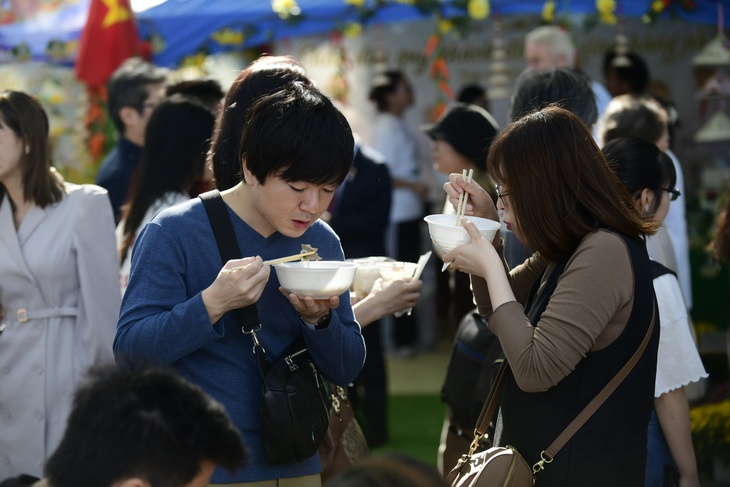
(445, 235)
(320, 279)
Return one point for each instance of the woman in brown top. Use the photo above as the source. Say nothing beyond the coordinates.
(573, 313)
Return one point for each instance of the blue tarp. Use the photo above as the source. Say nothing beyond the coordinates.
(178, 28)
(49, 36)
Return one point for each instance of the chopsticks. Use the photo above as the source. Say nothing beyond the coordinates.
(461, 207)
(307, 251)
(290, 258)
(463, 198)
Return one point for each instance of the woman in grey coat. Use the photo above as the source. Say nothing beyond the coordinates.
(59, 290)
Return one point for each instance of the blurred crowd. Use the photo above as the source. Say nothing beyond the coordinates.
(591, 258)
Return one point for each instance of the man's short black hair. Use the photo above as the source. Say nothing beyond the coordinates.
(471, 92)
(633, 71)
(206, 90)
(127, 87)
(297, 134)
(151, 424)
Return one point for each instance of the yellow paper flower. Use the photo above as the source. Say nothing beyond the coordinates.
(445, 26)
(285, 8)
(194, 60)
(228, 37)
(357, 3)
(352, 29)
(609, 19)
(710, 425)
(56, 98)
(606, 11)
(548, 11)
(478, 9)
(657, 5)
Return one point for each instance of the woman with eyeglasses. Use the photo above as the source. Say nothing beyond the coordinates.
(645, 118)
(575, 312)
(649, 176)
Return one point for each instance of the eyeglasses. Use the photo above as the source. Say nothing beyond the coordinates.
(673, 193)
(501, 195)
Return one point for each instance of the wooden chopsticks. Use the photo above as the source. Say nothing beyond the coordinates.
(461, 207)
(463, 198)
(307, 251)
(290, 258)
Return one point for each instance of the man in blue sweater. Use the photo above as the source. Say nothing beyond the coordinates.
(296, 148)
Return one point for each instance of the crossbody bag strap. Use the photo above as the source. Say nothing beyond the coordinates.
(490, 405)
(227, 243)
(597, 401)
(495, 394)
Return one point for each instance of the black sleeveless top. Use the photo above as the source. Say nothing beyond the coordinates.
(610, 449)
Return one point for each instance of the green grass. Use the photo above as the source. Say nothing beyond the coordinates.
(415, 426)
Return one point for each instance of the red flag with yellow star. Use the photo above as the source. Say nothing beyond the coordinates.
(109, 37)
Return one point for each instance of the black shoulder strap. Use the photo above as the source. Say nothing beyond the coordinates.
(658, 270)
(225, 237)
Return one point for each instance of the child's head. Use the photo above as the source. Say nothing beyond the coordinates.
(297, 134)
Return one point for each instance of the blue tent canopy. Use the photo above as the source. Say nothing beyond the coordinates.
(49, 36)
(178, 28)
(189, 26)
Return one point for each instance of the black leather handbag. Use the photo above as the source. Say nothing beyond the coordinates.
(294, 402)
(473, 365)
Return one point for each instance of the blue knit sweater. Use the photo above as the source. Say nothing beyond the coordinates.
(163, 321)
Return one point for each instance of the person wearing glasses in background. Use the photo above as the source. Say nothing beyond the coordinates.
(573, 314)
(644, 118)
(134, 90)
(648, 174)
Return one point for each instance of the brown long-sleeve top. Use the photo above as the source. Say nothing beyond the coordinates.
(587, 311)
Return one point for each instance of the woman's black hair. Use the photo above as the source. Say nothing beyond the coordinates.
(639, 164)
(177, 138)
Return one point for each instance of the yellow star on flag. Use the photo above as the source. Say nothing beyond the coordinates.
(115, 14)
